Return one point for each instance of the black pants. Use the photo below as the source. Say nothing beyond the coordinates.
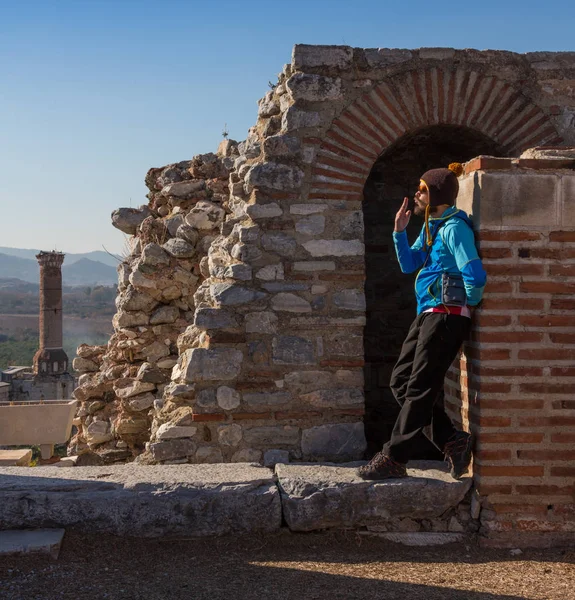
(417, 382)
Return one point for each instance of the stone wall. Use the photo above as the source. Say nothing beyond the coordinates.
(247, 269)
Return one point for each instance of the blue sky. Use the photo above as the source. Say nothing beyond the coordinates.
(93, 93)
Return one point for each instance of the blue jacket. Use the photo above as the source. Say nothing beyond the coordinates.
(453, 251)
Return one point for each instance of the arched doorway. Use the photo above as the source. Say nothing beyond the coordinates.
(390, 301)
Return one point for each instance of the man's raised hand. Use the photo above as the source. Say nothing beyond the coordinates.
(402, 217)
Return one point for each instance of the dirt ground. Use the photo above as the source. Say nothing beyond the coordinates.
(283, 566)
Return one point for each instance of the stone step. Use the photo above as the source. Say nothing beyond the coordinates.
(219, 499)
(34, 541)
(143, 501)
(16, 458)
(333, 496)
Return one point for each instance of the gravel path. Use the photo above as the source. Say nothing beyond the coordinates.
(299, 566)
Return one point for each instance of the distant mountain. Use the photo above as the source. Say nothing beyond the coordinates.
(81, 272)
(95, 255)
(89, 272)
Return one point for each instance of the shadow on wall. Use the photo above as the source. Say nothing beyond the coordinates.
(390, 300)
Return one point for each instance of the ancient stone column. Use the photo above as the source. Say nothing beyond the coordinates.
(50, 359)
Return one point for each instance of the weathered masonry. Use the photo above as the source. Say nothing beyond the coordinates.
(261, 308)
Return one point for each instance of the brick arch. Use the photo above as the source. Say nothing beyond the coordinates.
(419, 99)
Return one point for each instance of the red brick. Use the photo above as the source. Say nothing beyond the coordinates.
(560, 421)
(563, 372)
(507, 337)
(483, 163)
(483, 319)
(514, 270)
(547, 354)
(342, 276)
(562, 270)
(513, 304)
(562, 304)
(543, 490)
(510, 471)
(563, 404)
(510, 438)
(498, 287)
(342, 363)
(563, 471)
(546, 287)
(525, 509)
(547, 320)
(562, 338)
(544, 455)
(492, 489)
(512, 404)
(349, 412)
(493, 421)
(209, 417)
(547, 253)
(298, 415)
(494, 253)
(562, 236)
(488, 455)
(487, 353)
(484, 371)
(509, 236)
(563, 438)
(547, 388)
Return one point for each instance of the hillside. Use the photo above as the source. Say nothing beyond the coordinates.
(80, 272)
(71, 257)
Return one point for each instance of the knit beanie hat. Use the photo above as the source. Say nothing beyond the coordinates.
(442, 184)
(443, 188)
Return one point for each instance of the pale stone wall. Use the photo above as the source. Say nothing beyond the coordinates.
(247, 269)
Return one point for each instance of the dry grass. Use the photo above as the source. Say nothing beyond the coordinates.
(303, 566)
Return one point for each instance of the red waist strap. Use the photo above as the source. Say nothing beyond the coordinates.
(462, 311)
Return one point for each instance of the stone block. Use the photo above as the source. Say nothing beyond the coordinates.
(279, 243)
(517, 200)
(167, 431)
(128, 220)
(205, 215)
(229, 435)
(568, 203)
(274, 457)
(292, 350)
(314, 88)
(272, 436)
(209, 455)
(339, 442)
(16, 458)
(301, 382)
(143, 501)
(240, 272)
(213, 364)
(290, 303)
(307, 209)
(164, 314)
(227, 397)
(214, 318)
(306, 56)
(263, 400)
(294, 119)
(183, 189)
(323, 497)
(274, 176)
(261, 322)
(126, 388)
(247, 455)
(343, 343)
(229, 294)
(350, 299)
(263, 211)
(312, 225)
(314, 265)
(385, 57)
(281, 145)
(271, 272)
(436, 53)
(141, 402)
(334, 398)
(179, 248)
(169, 450)
(38, 541)
(335, 247)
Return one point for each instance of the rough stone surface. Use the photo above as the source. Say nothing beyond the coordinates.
(201, 364)
(323, 497)
(334, 247)
(143, 501)
(337, 442)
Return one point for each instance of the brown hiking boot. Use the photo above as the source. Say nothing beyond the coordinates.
(458, 453)
(382, 467)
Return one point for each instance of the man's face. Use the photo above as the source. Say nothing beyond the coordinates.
(421, 200)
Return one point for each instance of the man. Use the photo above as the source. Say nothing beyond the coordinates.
(449, 283)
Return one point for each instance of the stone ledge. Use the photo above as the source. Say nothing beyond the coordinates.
(143, 501)
(333, 496)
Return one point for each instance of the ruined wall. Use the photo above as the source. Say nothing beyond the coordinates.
(271, 310)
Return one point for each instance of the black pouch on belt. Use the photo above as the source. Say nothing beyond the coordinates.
(453, 290)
